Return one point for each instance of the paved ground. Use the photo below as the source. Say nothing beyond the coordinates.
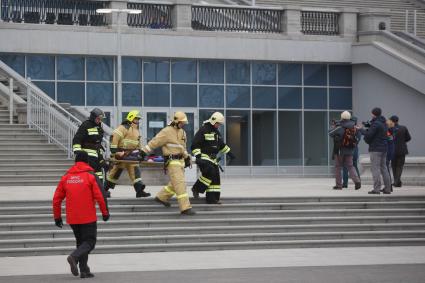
(341, 274)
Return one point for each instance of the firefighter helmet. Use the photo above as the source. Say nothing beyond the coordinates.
(96, 112)
(180, 117)
(216, 117)
(133, 114)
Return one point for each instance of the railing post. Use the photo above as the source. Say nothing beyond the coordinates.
(29, 106)
(181, 15)
(414, 22)
(406, 21)
(292, 20)
(348, 22)
(10, 101)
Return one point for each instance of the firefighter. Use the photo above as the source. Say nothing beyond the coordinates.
(207, 144)
(125, 142)
(172, 139)
(89, 138)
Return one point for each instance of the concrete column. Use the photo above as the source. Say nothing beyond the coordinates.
(113, 18)
(371, 19)
(181, 15)
(348, 22)
(292, 20)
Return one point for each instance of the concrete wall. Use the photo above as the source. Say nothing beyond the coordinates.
(372, 87)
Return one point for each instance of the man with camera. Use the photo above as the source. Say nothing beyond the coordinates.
(345, 137)
(375, 135)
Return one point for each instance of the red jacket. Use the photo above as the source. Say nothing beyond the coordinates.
(80, 188)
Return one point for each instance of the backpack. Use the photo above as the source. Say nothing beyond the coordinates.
(349, 139)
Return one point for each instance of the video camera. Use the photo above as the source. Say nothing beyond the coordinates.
(366, 124)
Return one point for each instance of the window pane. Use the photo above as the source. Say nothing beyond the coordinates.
(107, 119)
(183, 71)
(315, 98)
(41, 67)
(238, 97)
(263, 97)
(47, 87)
(157, 95)
(71, 93)
(184, 96)
(290, 138)
(156, 70)
(264, 138)
(155, 122)
(315, 138)
(263, 73)
(211, 96)
(237, 72)
(205, 114)
(131, 94)
(131, 69)
(238, 135)
(16, 62)
(100, 69)
(211, 72)
(290, 97)
(340, 98)
(333, 116)
(290, 74)
(100, 94)
(315, 74)
(340, 75)
(70, 68)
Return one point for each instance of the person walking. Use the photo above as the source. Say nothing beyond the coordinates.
(345, 137)
(80, 187)
(401, 138)
(376, 137)
(390, 147)
(355, 158)
(206, 144)
(89, 138)
(125, 142)
(172, 140)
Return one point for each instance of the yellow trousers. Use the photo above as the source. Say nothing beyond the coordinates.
(133, 171)
(176, 185)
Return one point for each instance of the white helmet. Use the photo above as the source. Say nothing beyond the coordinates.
(345, 115)
(216, 117)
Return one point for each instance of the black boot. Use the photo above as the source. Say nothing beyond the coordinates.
(139, 188)
(164, 203)
(86, 274)
(73, 265)
(357, 186)
(188, 212)
(195, 193)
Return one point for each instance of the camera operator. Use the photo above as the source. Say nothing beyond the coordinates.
(375, 135)
(345, 137)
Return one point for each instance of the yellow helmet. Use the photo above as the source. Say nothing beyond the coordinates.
(216, 117)
(180, 117)
(133, 114)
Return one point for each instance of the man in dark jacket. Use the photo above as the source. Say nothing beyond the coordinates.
(401, 138)
(80, 187)
(376, 137)
(345, 138)
(89, 138)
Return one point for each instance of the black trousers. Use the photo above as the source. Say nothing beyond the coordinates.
(85, 236)
(95, 163)
(397, 165)
(209, 182)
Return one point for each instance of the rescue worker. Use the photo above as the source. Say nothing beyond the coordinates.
(81, 189)
(206, 145)
(89, 138)
(126, 142)
(172, 139)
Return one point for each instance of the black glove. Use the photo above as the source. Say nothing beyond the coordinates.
(105, 217)
(142, 155)
(231, 155)
(59, 222)
(187, 162)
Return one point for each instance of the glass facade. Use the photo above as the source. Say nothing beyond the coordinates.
(277, 114)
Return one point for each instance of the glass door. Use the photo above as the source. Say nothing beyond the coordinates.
(153, 122)
(191, 127)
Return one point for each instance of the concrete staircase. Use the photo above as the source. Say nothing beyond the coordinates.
(27, 228)
(26, 158)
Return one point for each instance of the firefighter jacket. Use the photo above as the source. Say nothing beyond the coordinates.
(89, 138)
(125, 137)
(171, 139)
(208, 142)
(80, 188)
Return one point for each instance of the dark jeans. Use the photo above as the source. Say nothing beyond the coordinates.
(85, 236)
(397, 165)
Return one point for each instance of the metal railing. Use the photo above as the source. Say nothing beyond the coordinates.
(319, 23)
(154, 15)
(232, 18)
(46, 115)
(69, 12)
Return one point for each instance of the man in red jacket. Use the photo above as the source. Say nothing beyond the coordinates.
(81, 189)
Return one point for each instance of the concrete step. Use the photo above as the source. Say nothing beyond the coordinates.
(26, 143)
(38, 138)
(35, 182)
(122, 232)
(195, 238)
(184, 221)
(37, 155)
(29, 167)
(141, 248)
(24, 172)
(14, 126)
(33, 149)
(36, 162)
(41, 177)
